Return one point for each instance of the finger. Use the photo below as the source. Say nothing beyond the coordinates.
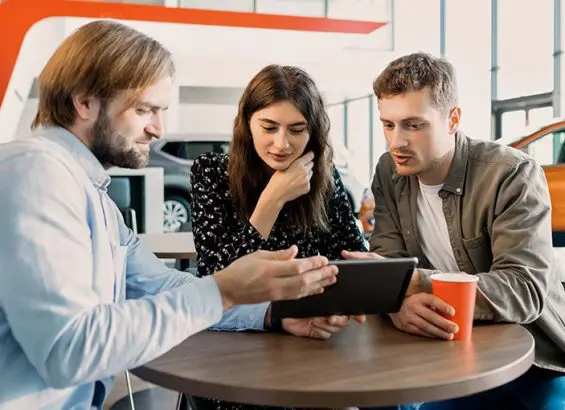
(439, 305)
(311, 263)
(360, 255)
(410, 328)
(318, 278)
(360, 318)
(434, 318)
(430, 328)
(338, 320)
(317, 333)
(320, 287)
(309, 283)
(325, 327)
(297, 267)
(281, 255)
(309, 166)
(306, 158)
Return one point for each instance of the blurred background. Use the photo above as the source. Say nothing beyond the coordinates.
(507, 55)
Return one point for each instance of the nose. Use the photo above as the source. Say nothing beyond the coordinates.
(157, 125)
(281, 141)
(396, 139)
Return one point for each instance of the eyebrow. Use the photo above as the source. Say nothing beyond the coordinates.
(414, 118)
(152, 106)
(294, 124)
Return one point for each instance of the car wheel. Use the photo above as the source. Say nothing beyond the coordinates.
(176, 213)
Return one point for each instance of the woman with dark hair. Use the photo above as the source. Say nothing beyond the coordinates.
(276, 188)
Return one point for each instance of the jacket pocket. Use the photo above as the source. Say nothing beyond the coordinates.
(479, 251)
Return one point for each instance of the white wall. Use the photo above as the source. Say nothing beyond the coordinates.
(344, 66)
(468, 49)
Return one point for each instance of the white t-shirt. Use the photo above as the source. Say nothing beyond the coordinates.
(432, 228)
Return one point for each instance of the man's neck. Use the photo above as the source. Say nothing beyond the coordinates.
(81, 134)
(438, 173)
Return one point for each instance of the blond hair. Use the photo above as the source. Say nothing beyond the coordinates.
(99, 59)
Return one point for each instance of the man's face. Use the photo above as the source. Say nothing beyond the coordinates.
(121, 137)
(419, 135)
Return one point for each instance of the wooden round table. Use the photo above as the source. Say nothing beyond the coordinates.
(364, 365)
(173, 245)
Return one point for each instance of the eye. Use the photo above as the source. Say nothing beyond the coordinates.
(142, 111)
(269, 129)
(414, 126)
(388, 126)
(297, 132)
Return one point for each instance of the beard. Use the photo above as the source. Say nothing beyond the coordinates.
(113, 149)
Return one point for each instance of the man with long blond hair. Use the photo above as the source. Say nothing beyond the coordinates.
(81, 298)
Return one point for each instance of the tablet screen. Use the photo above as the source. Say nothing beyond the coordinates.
(365, 286)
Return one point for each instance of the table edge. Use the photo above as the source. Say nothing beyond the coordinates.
(359, 398)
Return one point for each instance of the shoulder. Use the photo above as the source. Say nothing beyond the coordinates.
(37, 160)
(489, 152)
(491, 156)
(339, 193)
(210, 164)
(211, 159)
(36, 176)
(385, 172)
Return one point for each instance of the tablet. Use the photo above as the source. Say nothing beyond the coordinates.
(364, 286)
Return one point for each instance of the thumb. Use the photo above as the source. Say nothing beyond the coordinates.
(360, 255)
(285, 254)
(353, 255)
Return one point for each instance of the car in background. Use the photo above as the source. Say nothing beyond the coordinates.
(546, 146)
(176, 154)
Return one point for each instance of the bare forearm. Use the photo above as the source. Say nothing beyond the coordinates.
(265, 215)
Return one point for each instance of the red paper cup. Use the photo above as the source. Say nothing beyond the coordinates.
(458, 290)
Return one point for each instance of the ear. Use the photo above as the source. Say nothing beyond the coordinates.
(87, 108)
(454, 120)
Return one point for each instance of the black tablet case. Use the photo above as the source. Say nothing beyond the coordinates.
(364, 286)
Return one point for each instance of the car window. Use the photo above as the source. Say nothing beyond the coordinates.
(190, 150)
(176, 149)
(196, 148)
(548, 150)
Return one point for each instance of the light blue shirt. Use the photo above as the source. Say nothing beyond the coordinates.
(81, 297)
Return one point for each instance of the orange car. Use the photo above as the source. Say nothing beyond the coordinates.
(546, 145)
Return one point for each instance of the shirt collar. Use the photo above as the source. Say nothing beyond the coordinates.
(84, 156)
(455, 180)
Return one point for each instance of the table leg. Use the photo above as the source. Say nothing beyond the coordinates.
(130, 393)
(179, 402)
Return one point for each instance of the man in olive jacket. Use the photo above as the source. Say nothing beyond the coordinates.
(464, 205)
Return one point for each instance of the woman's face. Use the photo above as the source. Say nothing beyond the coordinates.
(280, 134)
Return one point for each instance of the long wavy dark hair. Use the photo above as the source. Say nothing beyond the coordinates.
(247, 174)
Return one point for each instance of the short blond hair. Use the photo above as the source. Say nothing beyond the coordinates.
(99, 59)
(416, 71)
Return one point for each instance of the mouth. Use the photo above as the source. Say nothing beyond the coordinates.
(401, 159)
(144, 142)
(279, 157)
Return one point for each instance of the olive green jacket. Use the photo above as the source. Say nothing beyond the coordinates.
(498, 212)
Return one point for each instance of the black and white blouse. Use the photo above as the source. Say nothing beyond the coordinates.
(221, 235)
